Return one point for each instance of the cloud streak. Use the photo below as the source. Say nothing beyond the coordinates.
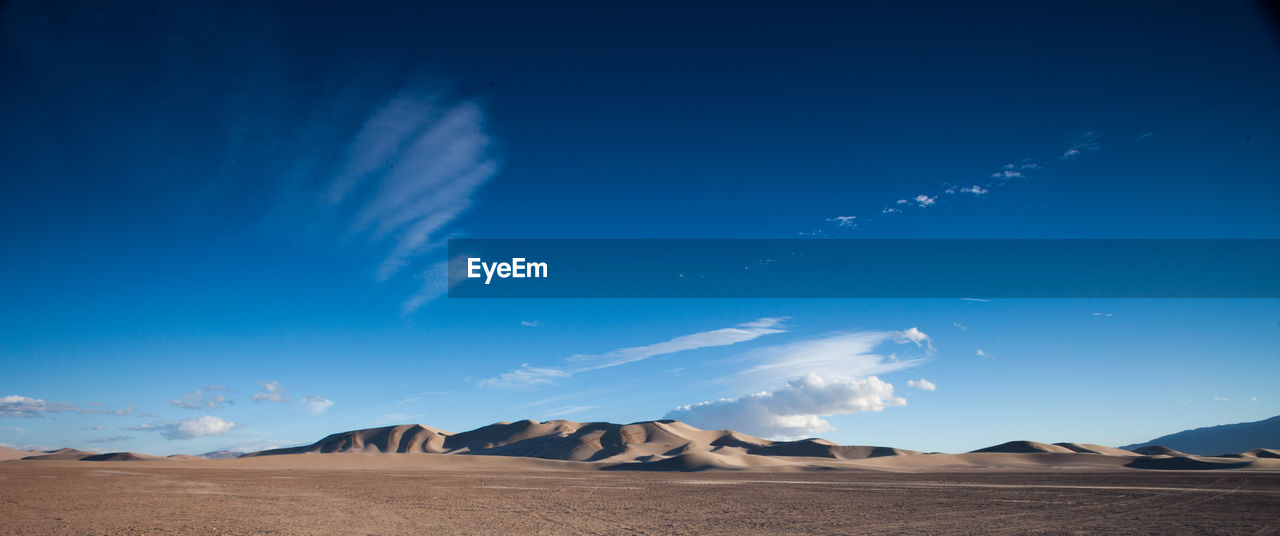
(1090, 141)
(199, 399)
(27, 407)
(187, 429)
(840, 355)
(527, 375)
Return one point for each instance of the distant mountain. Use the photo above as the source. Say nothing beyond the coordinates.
(642, 442)
(1032, 447)
(220, 454)
(1222, 439)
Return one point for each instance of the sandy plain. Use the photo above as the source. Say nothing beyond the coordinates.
(404, 494)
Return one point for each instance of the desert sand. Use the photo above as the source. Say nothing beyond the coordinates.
(562, 477)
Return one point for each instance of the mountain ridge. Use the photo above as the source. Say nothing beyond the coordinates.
(643, 441)
(1220, 439)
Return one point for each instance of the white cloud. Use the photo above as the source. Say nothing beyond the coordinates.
(273, 393)
(187, 429)
(975, 190)
(841, 356)
(1103, 314)
(845, 221)
(530, 323)
(913, 334)
(526, 375)
(794, 410)
(1221, 398)
(21, 406)
(27, 407)
(925, 200)
(903, 201)
(961, 326)
(1006, 175)
(890, 210)
(981, 353)
(316, 404)
(199, 399)
(922, 384)
(410, 170)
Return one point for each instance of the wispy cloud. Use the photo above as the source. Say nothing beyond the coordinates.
(840, 356)
(844, 221)
(982, 353)
(188, 428)
(1087, 142)
(421, 162)
(796, 409)
(530, 323)
(435, 283)
(109, 439)
(418, 396)
(529, 375)
(27, 407)
(1009, 172)
(1103, 314)
(200, 399)
(272, 392)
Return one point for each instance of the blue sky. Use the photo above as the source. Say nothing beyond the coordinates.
(251, 203)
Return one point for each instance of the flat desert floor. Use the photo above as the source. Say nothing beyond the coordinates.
(353, 497)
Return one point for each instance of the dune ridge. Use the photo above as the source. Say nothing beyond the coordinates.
(667, 443)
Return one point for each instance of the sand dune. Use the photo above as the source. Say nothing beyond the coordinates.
(60, 455)
(1190, 463)
(1263, 453)
(1089, 448)
(641, 442)
(666, 445)
(13, 454)
(1158, 450)
(123, 457)
(1026, 447)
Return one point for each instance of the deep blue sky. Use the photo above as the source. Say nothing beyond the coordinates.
(174, 214)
